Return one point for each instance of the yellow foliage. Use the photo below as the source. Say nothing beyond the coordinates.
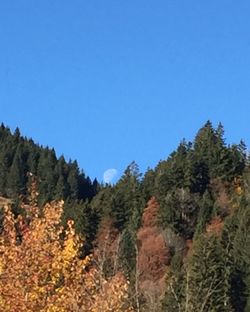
(41, 271)
(238, 185)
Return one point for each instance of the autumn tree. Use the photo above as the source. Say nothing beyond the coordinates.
(41, 260)
(153, 256)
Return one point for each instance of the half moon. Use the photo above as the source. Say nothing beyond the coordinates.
(109, 175)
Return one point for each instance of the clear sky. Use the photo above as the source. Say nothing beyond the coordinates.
(109, 82)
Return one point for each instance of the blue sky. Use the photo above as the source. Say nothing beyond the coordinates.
(109, 82)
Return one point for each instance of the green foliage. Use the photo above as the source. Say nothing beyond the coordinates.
(208, 276)
(85, 219)
(16, 179)
(128, 201)
(236, 241)
(127, 254)
(57, 178)
(148, 183)
(175, 291)
(214, 276)
(179, 210)
(205, 212)
(173, 173)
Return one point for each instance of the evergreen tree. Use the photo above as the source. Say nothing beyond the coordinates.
(128, 200)
(127, 254)
(174, 299)
(199, 175)
(62, 188)
(205, 212)
(236, 241)
(148, 184)
(32, 156)
(72, 179)
(178, 210)
(16, 181)
(208, 277)
(174, 172)
(56, 177)
(46, 175)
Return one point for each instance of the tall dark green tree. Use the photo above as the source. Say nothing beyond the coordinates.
(46, 175)
(128, 200)
(205, 212)
(179, 210)
(72, 180)
(17, 176)
(236, 241)
(208, 277)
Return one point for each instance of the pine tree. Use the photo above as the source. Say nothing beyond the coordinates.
(46, 175)
(208, 277)
(178, 210)
(128, 201)
(175, 296)
(236, 241)
(72, 180)
(16, 181)
(148, 184)
(205, 212)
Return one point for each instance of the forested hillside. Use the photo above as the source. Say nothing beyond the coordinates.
(174, 239)
(57, 178)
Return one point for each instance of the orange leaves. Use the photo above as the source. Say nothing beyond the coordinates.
(37, 269)
(153, 252)
(153, 256)
(41, 270)
(215, 226)
(112, 295)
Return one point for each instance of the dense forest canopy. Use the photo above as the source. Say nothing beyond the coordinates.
(58, 179)
(174, 239)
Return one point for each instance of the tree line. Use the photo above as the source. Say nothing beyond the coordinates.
(179, 233)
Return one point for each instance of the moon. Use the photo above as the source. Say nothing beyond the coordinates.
(109, 175)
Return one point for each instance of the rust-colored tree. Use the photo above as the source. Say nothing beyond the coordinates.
(106, 250)
(153, 256)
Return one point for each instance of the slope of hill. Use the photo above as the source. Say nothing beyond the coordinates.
(175, 239)
(20, 156)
